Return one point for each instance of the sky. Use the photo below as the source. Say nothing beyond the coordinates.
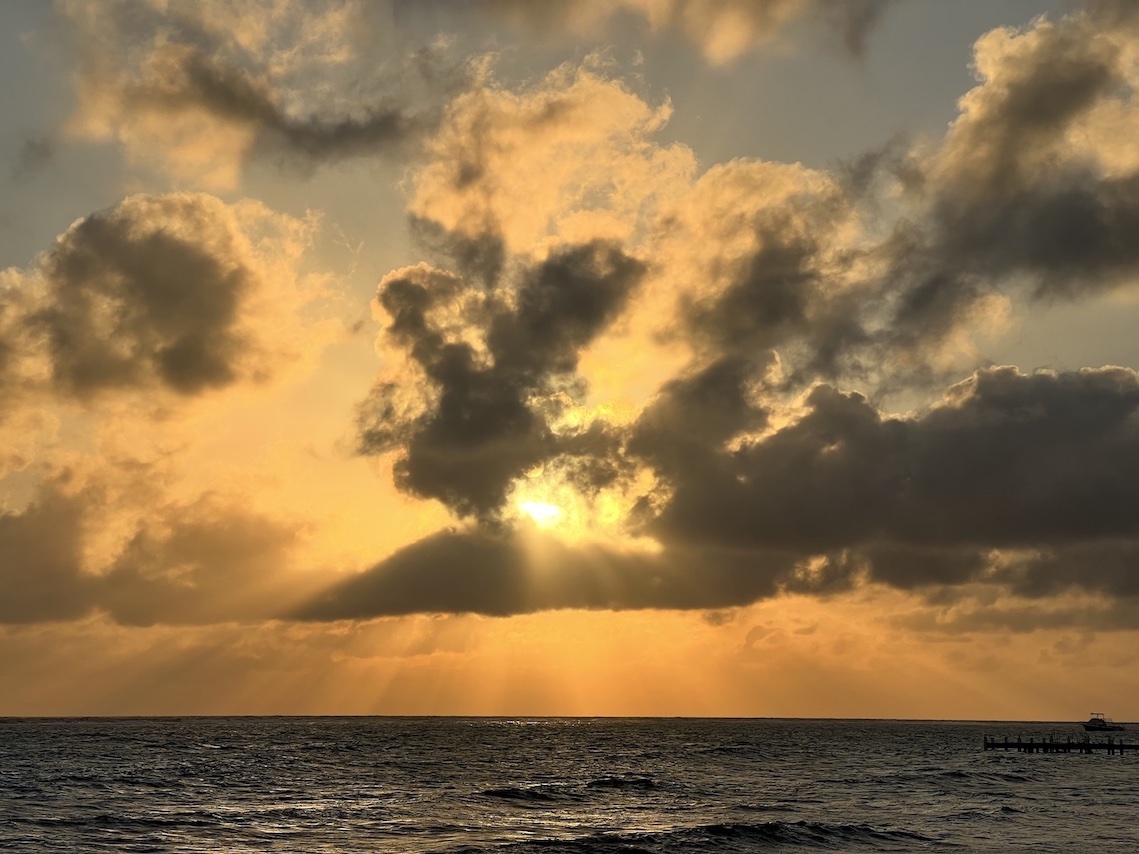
(615, 357)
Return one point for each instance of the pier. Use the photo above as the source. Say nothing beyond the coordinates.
(1053, 745)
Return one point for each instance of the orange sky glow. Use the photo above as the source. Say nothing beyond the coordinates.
(623, 357)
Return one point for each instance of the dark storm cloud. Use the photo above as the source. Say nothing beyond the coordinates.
(1071, 233)
(131, 302)
(1048, 462)
(205, 562)
(1012, 461)
(894, 563)
(769, 299)
(1108, 566)
(489, 420)
(499, 574)
(816, 485)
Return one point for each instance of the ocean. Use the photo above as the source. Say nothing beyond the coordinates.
(552, 785)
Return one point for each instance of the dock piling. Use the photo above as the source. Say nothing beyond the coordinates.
(1052, 745)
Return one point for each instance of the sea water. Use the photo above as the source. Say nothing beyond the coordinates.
(552, 785)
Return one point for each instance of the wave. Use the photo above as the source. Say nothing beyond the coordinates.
(806, 833)
(729, 837)
(933, 775)
(773, 807)
(744, 749)
(538, 793)
(623, 782)
(541, 793)
(991, 776)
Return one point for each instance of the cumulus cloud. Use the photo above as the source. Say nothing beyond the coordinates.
(759, 315)
(111, 341)
(200, 90)
(1029, 197)
(1014, 480)
(1032, 192)
(765, 258)
(769, 292)
(489, 403)
(1018, 481)
(177, 294)
(567, 159)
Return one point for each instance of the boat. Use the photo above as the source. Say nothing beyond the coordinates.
(1098, 723)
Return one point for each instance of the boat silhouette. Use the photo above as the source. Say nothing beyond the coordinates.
(1098, 723)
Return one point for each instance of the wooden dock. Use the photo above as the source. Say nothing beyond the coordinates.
(1054, 745)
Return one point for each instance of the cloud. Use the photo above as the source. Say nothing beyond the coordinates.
(111, 342)
(178, 294)
(489, 404)
(770, 291)
(498, 574)
(764, 258)
(1021, 482)
(567, 159)
(556, 228)
(722, 30)
(1033, 190)
(760, 316)
(201, 90)
(693, 417)
(209, 560)
(972, 613)
(1029, 197)
(39, 577)
(1007, 461)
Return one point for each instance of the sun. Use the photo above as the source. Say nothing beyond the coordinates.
(544, 515)
(550, 499)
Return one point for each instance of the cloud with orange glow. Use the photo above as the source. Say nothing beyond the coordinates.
(199, 90)
(631, 422)
(752, 449)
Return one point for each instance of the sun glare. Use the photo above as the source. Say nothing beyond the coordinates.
(544, 515)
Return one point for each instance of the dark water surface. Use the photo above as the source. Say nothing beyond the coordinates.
(552, 785)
